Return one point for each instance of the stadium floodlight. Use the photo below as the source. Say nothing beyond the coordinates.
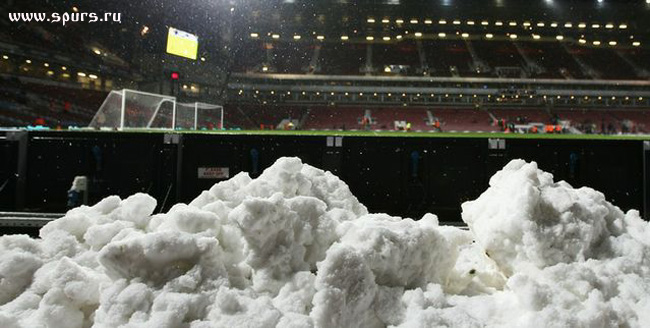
(255, 35)
(636, 43)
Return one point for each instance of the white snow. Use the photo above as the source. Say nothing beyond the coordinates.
(294, 248)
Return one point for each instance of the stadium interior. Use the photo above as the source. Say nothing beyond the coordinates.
(442, 66)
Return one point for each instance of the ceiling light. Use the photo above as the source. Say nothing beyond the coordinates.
(485, 23)
(418, 34)
(93, 76)
(636, 43)
(82, 74)
(46, 64)
(456, 22)
(28, 61)
(399, 37)
(540, 24)
(498, 23)
(254, 35)
(320, 37)
(582, 25)
(595, 25)
(399, 21)
(465, 35)
(554, 24)
(622, 26)
(344, 37)
(442, 35)
(513, 36)
(386, 38)
(275, 36)
(370, 38)
(536, 36)
(414, 21)
(5, 57)
(470, 22)
(489, 36)
(442, 22)
(512, 23)
(612, 43)
(296, 37)
(582, 41)
(559, 37)
(596, 43)
(371, 20)
(526, 24)
(428, 21)
(385, 21)
(568, 25)
(609, 25)
(97, 51)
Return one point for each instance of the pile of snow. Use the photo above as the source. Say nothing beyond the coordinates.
(294, 248)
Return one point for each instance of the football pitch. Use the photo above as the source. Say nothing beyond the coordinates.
(399, 134)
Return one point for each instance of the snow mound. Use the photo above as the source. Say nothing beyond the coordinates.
(295, 248)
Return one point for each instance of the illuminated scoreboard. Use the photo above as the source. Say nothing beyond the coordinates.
(182, 44)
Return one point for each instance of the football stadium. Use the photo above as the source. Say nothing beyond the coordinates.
(325, 163)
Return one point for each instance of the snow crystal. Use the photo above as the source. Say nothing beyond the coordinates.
(295, 248)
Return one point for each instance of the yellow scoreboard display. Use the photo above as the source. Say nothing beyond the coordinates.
(182, 44)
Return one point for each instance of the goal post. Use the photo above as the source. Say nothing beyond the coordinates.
(132, 109)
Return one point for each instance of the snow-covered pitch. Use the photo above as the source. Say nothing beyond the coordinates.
(295, 248)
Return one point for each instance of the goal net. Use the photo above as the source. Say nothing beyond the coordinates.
(131, 109)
